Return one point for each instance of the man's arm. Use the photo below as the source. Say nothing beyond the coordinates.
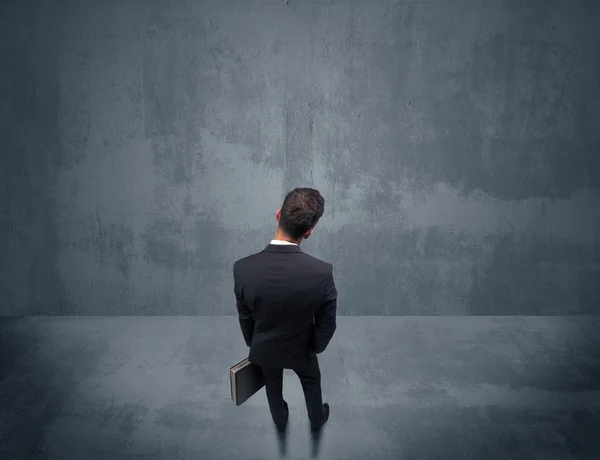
(325, 316)
(244, 313)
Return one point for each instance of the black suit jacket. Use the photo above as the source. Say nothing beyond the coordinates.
(286, 302)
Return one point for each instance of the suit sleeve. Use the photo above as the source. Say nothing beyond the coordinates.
(325, 317)
(244, 312)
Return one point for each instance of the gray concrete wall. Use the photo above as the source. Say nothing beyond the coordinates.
(147, 145)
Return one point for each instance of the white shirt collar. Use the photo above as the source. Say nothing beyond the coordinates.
(281, 242)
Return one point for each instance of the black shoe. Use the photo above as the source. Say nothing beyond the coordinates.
(325, 417)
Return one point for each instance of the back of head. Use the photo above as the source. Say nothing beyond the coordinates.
(301, 210)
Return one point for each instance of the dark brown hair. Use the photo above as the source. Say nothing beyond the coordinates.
(301, 210)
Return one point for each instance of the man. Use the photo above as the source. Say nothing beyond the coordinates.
(286, 301)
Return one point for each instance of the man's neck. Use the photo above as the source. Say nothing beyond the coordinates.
(282, 237)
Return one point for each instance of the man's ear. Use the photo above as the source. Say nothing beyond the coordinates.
(307, 234)
(278, 214)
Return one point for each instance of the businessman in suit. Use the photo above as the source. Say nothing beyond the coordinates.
(286, 301)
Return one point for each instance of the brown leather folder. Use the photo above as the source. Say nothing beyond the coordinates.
(246, 379)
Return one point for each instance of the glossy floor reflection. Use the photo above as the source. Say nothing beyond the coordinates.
(399, 387)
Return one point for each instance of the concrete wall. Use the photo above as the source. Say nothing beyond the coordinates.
(147, 145)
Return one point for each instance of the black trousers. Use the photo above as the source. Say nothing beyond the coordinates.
(309, 374)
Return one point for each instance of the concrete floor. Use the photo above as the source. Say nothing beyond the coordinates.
(399, 387)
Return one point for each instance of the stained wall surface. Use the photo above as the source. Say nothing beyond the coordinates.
(146, 146)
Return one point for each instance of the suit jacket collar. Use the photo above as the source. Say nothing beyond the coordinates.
(282, 248)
